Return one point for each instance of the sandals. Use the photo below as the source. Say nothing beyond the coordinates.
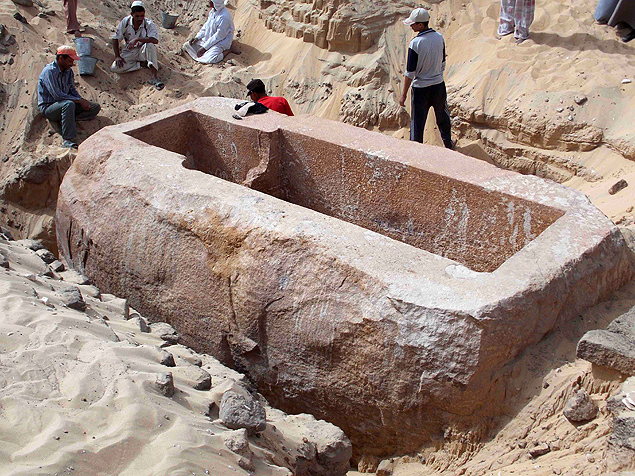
(81, 29)
(157, 83)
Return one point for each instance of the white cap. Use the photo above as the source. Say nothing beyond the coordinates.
(418, 15)
(137, 3)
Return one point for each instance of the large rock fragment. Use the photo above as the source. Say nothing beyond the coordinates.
(308, 446)
(385, 468)
(622, 407)
(580, 407)
(72, 298)
(624, 324)
(614, 347)
(377, 283)
(46, 256)
(166, 358)
(165, 383)
(239, 409)
(166, 332)
(236, 442)
(119, 303)
(195, 377)
(33, 245)
(624, 429)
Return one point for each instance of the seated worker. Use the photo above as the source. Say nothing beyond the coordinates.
(214, 41)
(141, 36)
(257, 93)
(58, 100)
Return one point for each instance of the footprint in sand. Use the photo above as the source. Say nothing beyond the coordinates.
(493, 11)
(542, 21)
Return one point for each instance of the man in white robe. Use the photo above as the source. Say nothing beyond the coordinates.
(214, 41)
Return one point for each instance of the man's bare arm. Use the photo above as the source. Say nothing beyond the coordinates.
(118, 59)
(404, 93)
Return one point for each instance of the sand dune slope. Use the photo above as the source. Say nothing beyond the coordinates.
(78, 393)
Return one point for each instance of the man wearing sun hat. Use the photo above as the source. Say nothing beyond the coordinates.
(141, 37)
(58, 100)
(424, 71)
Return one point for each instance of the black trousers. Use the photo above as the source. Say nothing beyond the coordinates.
(422, 100)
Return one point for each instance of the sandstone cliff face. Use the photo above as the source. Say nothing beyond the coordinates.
(344, 26)
(316, 281)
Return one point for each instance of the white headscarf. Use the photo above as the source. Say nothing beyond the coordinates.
(219, 5)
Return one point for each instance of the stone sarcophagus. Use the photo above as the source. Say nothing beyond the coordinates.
(374, 282)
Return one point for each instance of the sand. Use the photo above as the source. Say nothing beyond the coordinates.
(76, 388)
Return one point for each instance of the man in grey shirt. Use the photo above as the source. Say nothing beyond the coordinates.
(424, 71)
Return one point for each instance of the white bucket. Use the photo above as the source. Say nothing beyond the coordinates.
(168, 20)
(84, 45)
(87, 65)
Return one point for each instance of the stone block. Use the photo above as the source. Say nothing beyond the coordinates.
(609, 349)
(377, 283)
(240, 409)
(622, 407)
(308, 446)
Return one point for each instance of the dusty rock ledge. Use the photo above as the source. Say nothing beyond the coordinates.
(374, 282)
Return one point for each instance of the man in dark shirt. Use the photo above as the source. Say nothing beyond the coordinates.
(58, 100)
(257, 93)
(424, 71)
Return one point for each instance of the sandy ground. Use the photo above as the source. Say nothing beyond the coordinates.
(77, 393)
(74, 385)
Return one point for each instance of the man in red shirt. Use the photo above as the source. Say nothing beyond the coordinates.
(257, 93)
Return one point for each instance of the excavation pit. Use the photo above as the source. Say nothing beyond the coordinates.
(377, 283)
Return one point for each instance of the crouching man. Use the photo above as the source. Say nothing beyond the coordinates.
(257, 93)
(141, 37)
(58, 100)
(214, 40)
